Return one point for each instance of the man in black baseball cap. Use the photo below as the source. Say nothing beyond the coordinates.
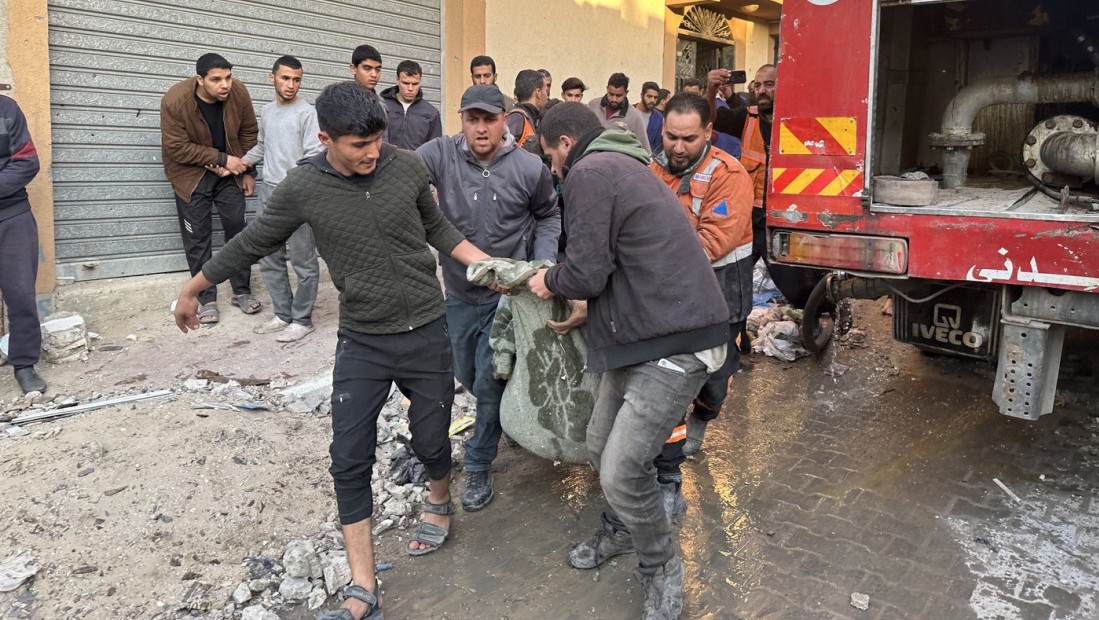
(485, 97)
(503, 199)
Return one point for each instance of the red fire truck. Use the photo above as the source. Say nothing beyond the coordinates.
(997, 102)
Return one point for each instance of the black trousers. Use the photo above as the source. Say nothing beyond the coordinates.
(421, 364)
(18, 271)
(196, 227)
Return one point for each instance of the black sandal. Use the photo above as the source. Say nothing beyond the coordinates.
(429, 533)
(373, 610)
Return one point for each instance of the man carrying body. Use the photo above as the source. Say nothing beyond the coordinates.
(503, 200)
(615, 111)
(207, 124)
(412, 119)
(482, 70)
(287, 133)
(657, 327)
(653, 118)
(371, 209)
(716, 193)
(19, 246)
(530, 94)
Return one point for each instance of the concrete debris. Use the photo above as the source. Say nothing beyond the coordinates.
(17, 569)
(64, 338)
(242, 594)
(258, 612)
(301, 560)
(860, 601)
(295, 588)
(196, 385)
(316, 598)
(337, 573)
(316, 568)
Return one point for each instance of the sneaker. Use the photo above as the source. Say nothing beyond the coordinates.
(29, 380)
(274, 325)
(478, 491)
(294, 332)
(663, 591)
(604, 545)
(674, 502)
(696, 432)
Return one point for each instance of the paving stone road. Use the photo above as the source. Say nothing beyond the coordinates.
(810, 488)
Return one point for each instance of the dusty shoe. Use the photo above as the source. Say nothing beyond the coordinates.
(674, 502)
(696, 431)
(29, 380)
(294, 332)
(663, 591)
(673, 588)
(604, 545)
(478, 491)
(274, 325)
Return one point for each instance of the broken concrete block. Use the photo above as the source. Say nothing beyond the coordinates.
(301, 560)
(295, 588)
(337, 573)
(64, 338)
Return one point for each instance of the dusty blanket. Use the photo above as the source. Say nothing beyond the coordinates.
(549, 397)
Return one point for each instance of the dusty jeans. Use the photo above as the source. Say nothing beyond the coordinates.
(636, 409)
(291, 307)
(470, 326)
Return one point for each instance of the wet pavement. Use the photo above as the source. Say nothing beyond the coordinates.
(880, 481)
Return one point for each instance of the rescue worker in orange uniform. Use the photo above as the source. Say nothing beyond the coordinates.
(717, 195)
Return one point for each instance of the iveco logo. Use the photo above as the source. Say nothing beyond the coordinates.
(947, 328)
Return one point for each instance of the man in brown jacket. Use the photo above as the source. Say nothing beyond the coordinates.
(207, 124)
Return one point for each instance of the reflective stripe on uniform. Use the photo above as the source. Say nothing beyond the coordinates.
(741, 253)
(707, 174)
(679, 434)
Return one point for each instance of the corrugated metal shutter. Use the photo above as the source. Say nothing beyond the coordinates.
(112, 60)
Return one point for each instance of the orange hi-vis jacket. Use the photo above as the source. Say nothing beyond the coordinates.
(753, 155)
(718, 202)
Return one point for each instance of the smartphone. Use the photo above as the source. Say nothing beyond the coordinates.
(738, 77)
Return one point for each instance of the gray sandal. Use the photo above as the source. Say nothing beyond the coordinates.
(373, 610)
(429, 533)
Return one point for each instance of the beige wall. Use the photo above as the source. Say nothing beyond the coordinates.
(25, 65)
(588, 39)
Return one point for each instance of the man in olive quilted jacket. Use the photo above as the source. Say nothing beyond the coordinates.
(373, 217)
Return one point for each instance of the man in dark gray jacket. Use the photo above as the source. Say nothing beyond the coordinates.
(412, 119)
(657, 327)
(503, 200)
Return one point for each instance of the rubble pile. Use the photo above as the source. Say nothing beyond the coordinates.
(309, 571)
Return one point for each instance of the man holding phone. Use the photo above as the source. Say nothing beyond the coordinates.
(753, 126)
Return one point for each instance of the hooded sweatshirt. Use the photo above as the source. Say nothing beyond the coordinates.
(635, 257)
(506, 207)
(373, 232)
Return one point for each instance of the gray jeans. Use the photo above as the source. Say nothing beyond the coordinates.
(636, 409)
(303, 257)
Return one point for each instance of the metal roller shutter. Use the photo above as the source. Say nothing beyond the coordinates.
(112, 60)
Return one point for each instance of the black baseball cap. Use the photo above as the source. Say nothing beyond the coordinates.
(485, 97)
